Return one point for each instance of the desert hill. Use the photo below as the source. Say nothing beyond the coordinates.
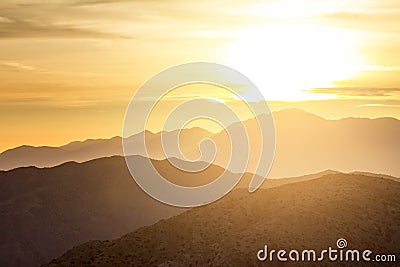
(313, 214)
(47, 211)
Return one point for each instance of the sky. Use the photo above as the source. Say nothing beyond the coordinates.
(69, 68)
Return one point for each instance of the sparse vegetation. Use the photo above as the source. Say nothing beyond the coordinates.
(312, 214)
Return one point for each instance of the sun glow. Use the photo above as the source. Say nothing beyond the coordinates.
(283, 61)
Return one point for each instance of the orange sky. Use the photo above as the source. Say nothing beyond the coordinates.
(68, 68)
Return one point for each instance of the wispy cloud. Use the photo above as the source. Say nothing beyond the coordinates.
(378, 19)
(5, 20)
(380, 68)
(359, 91)
(12, 66)
(342, 15)
(98, 2)
(15, 66)
(30, 29)
(119, 19)
(378, 105)
(44, 100)
(142, 19)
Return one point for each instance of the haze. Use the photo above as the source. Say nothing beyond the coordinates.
(68, 68)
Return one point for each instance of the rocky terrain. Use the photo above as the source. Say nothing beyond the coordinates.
(313, 214)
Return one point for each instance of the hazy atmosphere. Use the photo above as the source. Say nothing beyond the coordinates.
(69, 68)
(199, 133)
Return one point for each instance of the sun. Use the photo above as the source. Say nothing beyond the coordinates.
(285, 60)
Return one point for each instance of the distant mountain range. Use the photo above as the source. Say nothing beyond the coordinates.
(81, 151)
(47, 211)
(313, 214)
(305, 143)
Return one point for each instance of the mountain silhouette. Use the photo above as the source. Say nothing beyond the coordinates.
(313, 214)
(44, 156)
(306, 143)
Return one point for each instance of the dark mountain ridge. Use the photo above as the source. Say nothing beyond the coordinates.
(312, 214)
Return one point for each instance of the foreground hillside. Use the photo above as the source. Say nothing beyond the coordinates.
(45, 212)
(313, 214)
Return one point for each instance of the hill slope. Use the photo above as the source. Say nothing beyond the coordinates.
(364, 210)
(46, 211)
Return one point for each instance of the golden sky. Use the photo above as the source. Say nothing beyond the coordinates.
(69, 68)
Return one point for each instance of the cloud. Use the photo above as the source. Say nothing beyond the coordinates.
(342, 15)
(378, 105)
(45, 99)
(172, 19)
(380, 68)
(29, 29)
(16, 67)
(98, 2)
(5, 20)
(358, 91)
(367, 19)
(120, 19)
